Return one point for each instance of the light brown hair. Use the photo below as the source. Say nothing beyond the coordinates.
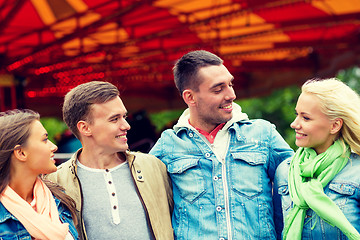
(78, 101)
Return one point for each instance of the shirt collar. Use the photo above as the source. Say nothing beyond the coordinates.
(209, 136)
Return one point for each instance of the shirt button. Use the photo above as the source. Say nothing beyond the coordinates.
(114, 207)
(110, 182)
(138, 171)
(139, 177)
(221, 238)
(207, 155)
(218, 208)
(191, 135)
(216, 178)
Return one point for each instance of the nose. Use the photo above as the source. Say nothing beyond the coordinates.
(125, 126)
(294, 124)
(231, 96)
(53, 147)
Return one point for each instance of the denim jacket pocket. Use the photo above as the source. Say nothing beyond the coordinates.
(188, 178)
(247, 173)
(340, 192)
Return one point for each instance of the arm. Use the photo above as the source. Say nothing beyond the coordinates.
(280, 151)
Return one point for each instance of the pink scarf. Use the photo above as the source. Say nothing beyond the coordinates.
(41, 224)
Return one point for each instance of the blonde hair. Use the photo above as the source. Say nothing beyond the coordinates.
(337, 100)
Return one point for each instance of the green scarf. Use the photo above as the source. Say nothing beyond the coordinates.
(309, 173)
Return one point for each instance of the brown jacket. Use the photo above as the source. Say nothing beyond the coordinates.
(152, 184)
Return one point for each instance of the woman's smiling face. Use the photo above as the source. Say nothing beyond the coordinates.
(313, 128)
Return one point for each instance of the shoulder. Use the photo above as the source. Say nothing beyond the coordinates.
(350, 173)
(259, 129)
(144, 159)
(4, 214)
(282, 171)
(10, 226)
(142, 156)
(259, 125)
(64, 172)
(261, 122)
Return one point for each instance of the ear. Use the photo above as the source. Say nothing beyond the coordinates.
(188, 96)
(83, 128)
(19, 153)
(336, 126)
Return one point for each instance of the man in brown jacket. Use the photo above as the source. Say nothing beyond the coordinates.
(119, 194)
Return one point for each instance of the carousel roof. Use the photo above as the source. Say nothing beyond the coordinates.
(49, 46)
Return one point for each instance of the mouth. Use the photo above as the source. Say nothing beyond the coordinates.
(299, 135)
(121, 136)
(227, 106)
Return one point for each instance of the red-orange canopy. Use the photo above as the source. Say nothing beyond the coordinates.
(50, 46)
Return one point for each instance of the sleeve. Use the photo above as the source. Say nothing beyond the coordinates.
(155, 150)
(279, 151)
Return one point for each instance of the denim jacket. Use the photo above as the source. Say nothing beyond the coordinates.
(229, 200)
(344, 190)
(12, 229)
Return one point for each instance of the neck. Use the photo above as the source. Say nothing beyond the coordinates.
(203, 126)
(23, 185)
(100, 160)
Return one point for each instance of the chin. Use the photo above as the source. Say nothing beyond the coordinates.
(51, 170)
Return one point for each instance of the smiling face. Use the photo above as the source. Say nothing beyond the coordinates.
(211, 105)
(109, 127)
(313, 128)
(39, 150)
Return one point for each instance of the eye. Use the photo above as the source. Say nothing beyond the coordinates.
(306, 118)
(115, 119)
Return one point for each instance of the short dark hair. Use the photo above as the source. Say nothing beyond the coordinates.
(187, 67)
(78, 101)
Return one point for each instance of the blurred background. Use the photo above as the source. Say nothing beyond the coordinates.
(270, 46)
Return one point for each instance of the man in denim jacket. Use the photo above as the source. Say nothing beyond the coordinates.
(221, 164)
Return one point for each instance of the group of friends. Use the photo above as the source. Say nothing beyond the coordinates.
(215, 175)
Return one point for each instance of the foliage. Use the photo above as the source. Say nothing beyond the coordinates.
(54, 126)
(165, 119)
(351, 77)
(278, 108)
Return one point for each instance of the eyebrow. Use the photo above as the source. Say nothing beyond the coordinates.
(220, 84)
(118, 115)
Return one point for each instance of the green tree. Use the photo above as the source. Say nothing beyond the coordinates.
(278, 108)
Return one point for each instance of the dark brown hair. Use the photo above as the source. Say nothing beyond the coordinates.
(187, 67)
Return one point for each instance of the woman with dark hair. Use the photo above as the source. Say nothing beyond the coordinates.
(30, 207)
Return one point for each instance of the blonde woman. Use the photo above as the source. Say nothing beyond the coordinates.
(30, 208)
(320, 186)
